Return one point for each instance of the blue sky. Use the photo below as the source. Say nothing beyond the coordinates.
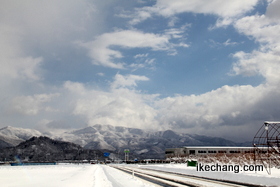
(204, 67)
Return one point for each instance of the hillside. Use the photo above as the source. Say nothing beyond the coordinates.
(46, 149)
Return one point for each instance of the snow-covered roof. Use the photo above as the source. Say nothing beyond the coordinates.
(216, 147)
(270, 122)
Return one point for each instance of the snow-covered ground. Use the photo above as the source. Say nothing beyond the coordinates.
(84, 175)
(251, 177)
(87, 175)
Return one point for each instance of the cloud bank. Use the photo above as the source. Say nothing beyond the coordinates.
(34, 35)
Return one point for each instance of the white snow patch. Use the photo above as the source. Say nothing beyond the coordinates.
(142, 151)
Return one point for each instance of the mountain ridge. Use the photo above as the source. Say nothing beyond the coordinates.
(12, 136)
(143, 144)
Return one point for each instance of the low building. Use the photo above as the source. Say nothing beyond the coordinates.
(207, 150)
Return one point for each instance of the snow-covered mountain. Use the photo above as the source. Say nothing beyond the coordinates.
(141, 143)
(104, 136)
(12, 136)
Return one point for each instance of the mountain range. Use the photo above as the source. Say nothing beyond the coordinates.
(141, 143)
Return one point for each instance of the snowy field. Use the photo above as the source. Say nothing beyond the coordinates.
(86, 175)
(260, 178)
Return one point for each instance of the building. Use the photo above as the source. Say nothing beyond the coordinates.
(206, 150)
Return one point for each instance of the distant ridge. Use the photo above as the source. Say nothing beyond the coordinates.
(142, 144)
(12, 136)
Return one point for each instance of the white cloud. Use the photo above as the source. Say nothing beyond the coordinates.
(136, 66)
(142, 61)
(102, 54)
(100, 74)
(120, 107)
(218, 112)
(224, 9)
(121, 81)
(178, 33)
(141, 55)
(229, 42)
(264, 61)
(32, 105)
(21, 68)
(148, 63)
(261, 28)
(140, 15)
(75, 87)
(172, 21)
(258, 63)
(221, 8)
(214, 113)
